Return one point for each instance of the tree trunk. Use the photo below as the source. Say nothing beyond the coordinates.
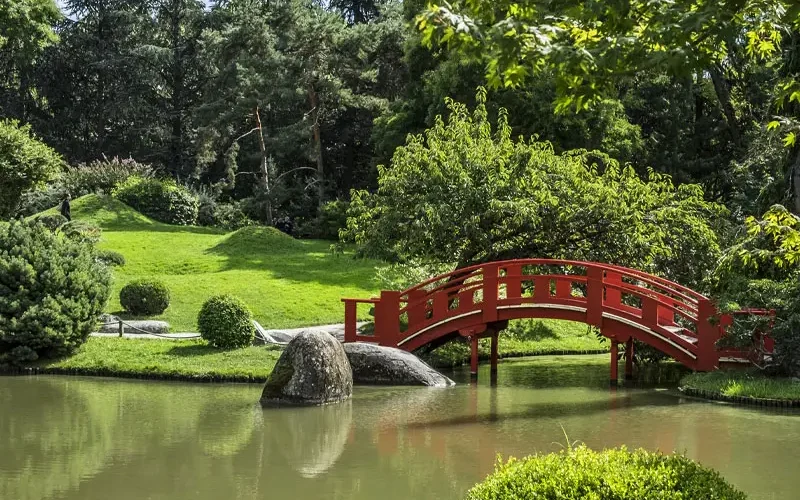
(724, 96)
(314, 101)
(264, 167)
(795, 183)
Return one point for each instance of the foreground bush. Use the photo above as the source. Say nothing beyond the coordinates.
(52, 290)
(25, 164)
(111, 258)
(51, 221)
(226, 322)
(611, 474)
(144, 297)
(162, 199)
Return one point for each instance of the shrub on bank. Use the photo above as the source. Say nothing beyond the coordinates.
(162, 199)
(610, 474)
(226, 322)
(51, 221)
(52, 290)
(101, 176)
(144, 297)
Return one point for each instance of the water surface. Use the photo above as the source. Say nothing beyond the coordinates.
(90, 438)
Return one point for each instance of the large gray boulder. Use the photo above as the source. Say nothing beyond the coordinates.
(377, 365)
(313, 370)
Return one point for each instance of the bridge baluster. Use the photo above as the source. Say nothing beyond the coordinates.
(490, 293)
(707, 336)
(416, 308)
(541, 289)
(513, 282)
(563, 288)
(649, 311)
(613, 294)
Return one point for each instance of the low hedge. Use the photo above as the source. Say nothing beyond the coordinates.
(144, 297)
(616, 474)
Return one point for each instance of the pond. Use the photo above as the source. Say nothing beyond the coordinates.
(91, 438)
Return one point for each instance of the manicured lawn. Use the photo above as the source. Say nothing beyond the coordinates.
(524, 338)
(285, 282)
(168, 358)
(743, 383)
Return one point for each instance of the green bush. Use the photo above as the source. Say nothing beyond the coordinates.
(226, 322)
(230, 216)
(34, 202)
(326, 225)
(162, 199)
(82, 231)
(611, 474)
(25, 164)
(102, 176)
(51, 221)
(52, 291)
(144, 297)
(111, 258)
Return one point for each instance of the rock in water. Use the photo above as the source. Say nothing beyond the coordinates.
(377, 365)
(313, 370)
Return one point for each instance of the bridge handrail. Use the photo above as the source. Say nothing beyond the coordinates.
(465, 273)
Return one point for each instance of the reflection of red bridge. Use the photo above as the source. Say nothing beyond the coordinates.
(625, 304)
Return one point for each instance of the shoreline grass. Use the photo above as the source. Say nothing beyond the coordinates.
(167, 359)
(743, 384)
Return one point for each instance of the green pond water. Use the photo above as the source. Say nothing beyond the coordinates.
(90, 438)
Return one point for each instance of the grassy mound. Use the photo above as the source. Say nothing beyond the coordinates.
(285, 282)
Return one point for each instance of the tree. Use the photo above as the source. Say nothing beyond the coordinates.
(25, 163)
(465, 194)
(26, 28)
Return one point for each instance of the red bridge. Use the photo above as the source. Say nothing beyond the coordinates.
(624, 304)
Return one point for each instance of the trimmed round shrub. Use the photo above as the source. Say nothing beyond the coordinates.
(144, 297)
(226, 322)
(111, 258)
(51, 221)
(617, 473)
(162, 199)
(52, 290)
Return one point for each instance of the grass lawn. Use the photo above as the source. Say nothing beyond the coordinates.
(191, 359)
(285, 282)
(743, 383)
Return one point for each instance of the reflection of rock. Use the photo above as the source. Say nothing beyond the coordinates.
(312, 370)
(373, 364)
(311, 439)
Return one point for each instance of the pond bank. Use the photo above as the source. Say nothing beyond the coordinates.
(743, 387)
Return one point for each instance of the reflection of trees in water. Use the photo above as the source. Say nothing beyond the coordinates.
(311, 439)
(61, 431)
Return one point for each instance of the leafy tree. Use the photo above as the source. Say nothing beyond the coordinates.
(25, 163)
(763, 270)
(465, 194)
(26, 28)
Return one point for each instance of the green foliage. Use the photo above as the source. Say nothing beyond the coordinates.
(144, 297)
(616, 473)
(52, 290)
(102, 176)
(162, 199)
(81, 231)
(25, 164)
(51, 221)
(226, 322)
(463, 194)
(762, 270)
(748, 383)
(111, 258)
(326, 225)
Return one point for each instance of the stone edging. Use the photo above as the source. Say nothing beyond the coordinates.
(742, 400)
(103, 372)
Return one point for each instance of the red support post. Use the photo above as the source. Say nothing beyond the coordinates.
(473, 367)
(613, 295)
(490, 293)
(629, 359)
(350, 320)
(495, 341)
(387, 319)
(707, 336)
(416, 309)
(614, 367)
(594, 296)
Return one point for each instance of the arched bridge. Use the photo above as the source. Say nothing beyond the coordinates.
(624, 304)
